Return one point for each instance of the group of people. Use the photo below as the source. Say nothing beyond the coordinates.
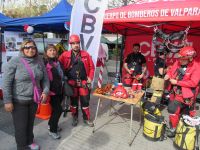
(182, 79)
(28, 74)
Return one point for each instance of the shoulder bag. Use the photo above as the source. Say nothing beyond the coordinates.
(36, 91)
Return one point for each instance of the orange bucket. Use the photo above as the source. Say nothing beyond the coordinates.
(44, 111)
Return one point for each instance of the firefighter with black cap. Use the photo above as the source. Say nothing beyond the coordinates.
(79, 68)
(184, 79)
(135, 66)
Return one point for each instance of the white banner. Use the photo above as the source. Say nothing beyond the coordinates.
(87, 21)
(13, 41)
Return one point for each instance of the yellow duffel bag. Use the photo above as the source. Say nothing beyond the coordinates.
(185, 136)
(156, 112)
(154, 127)
(150, 108)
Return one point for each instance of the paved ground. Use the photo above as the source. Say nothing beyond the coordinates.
(114, 135)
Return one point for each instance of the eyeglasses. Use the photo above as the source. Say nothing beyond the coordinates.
(29, 47)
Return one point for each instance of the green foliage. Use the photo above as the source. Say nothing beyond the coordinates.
(31, 9)
(116, 51)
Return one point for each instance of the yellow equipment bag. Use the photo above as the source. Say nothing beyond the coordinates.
(156, 112)
(150, 108)
(154, 127)
(185, 136)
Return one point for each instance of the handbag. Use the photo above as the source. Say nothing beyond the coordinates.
(68, 91)
(37, 92)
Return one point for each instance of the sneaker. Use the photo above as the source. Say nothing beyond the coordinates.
(54, 135)
(171, 132)
(34, 146)
(58, 129)
(89, 123)
(74, 121)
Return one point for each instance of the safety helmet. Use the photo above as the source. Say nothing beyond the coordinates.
(187, 52)
(74, 38)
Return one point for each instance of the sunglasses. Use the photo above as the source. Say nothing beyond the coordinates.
(75, 43)
(29, 47)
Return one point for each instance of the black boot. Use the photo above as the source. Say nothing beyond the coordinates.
(89, 123)
(74, 121)
(171, 132)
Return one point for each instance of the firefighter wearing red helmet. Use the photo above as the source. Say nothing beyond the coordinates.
(79, 69)
(184, 80)
(74, 38)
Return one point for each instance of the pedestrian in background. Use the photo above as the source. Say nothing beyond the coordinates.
(79, 69)
(18, 92)
(55, 74)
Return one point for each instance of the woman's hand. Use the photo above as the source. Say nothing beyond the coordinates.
(9, 107)
(43, 98)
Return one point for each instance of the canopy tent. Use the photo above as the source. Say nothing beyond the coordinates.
(3, 19)
(137, 21)
(105, 40)
(118, 41)
(53, 21)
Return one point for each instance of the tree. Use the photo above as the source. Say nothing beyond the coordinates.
(33, 7)
(119, 3)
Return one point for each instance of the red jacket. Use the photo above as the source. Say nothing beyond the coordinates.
(190, 79)
(65, 60)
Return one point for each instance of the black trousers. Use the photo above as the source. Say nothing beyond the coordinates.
(23, 119)
(56, 112)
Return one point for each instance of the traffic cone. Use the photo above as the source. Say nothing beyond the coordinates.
(44, 111)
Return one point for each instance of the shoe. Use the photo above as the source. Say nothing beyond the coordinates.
(89, 123)
(34, 146)
(54, 135)
(58, 129)
(74, 121)
(171, 132)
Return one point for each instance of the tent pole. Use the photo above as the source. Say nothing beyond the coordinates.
(122, 52)
(117, 55)
(1, 45)
(43, 40)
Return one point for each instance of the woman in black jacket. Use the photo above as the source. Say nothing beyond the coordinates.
(55, 74)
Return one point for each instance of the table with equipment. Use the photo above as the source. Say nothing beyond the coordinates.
(136, 100)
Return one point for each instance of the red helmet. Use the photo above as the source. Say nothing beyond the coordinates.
(187, 52)
(74, 38)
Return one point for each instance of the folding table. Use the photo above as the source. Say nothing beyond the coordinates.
(132, 101)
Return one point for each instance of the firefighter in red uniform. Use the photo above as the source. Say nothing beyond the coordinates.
(79, 68)
(184, 79)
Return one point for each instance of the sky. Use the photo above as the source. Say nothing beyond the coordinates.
(15, 3)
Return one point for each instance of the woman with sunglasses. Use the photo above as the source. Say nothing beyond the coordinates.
(18, 92)
(55, 74)
(184, 78)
